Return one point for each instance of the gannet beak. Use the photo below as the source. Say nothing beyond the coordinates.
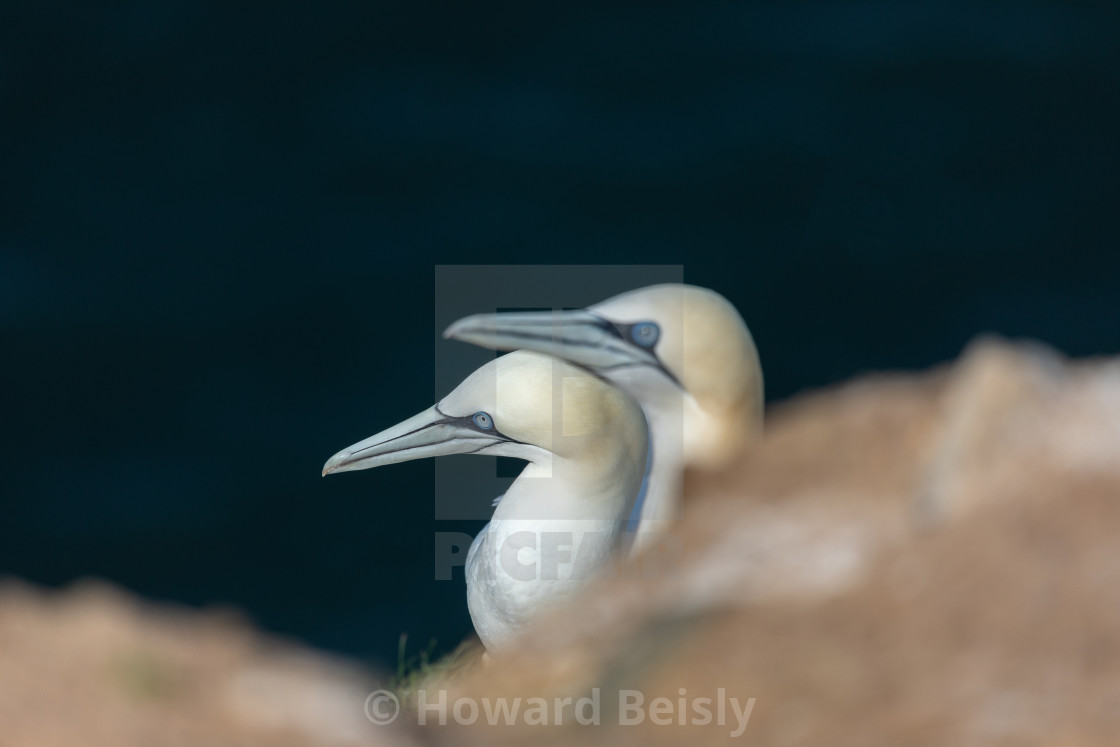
(431, 433)
(577, 335)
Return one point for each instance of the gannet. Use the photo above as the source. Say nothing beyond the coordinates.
(683, 352)
(563, 517)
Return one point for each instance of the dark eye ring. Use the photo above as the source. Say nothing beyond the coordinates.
(645, 334)
(483, 420)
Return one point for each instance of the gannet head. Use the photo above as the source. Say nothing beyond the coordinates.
(675, 348)
(525, 405)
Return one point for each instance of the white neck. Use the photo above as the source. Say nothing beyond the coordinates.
(557, 524)
(661, 504)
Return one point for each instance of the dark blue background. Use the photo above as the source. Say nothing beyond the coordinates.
(219, 222)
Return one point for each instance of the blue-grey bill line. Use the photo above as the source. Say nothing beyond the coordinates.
(564, 517)
(683, 352)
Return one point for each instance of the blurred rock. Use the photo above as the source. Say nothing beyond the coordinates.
(94, 666)
(907, 559)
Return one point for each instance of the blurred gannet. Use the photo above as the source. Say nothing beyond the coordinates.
(564, 515)
(683, 352)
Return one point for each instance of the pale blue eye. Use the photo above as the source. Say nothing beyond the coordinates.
(645, 334)
(483, 421)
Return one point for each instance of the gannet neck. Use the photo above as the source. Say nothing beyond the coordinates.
(564, 516)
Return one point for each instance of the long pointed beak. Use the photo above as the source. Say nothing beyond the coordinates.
(576, 335)
(427, 434)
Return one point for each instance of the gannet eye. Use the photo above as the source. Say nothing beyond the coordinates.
(483, 421)
(645, 334)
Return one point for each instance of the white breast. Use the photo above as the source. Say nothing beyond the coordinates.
(518, 568)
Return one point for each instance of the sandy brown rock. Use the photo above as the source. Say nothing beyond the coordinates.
(94, 666)
(906, 559)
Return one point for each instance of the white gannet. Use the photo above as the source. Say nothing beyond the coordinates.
(683, 352)
(563, 517)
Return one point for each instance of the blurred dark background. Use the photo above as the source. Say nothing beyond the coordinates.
(219, 223)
